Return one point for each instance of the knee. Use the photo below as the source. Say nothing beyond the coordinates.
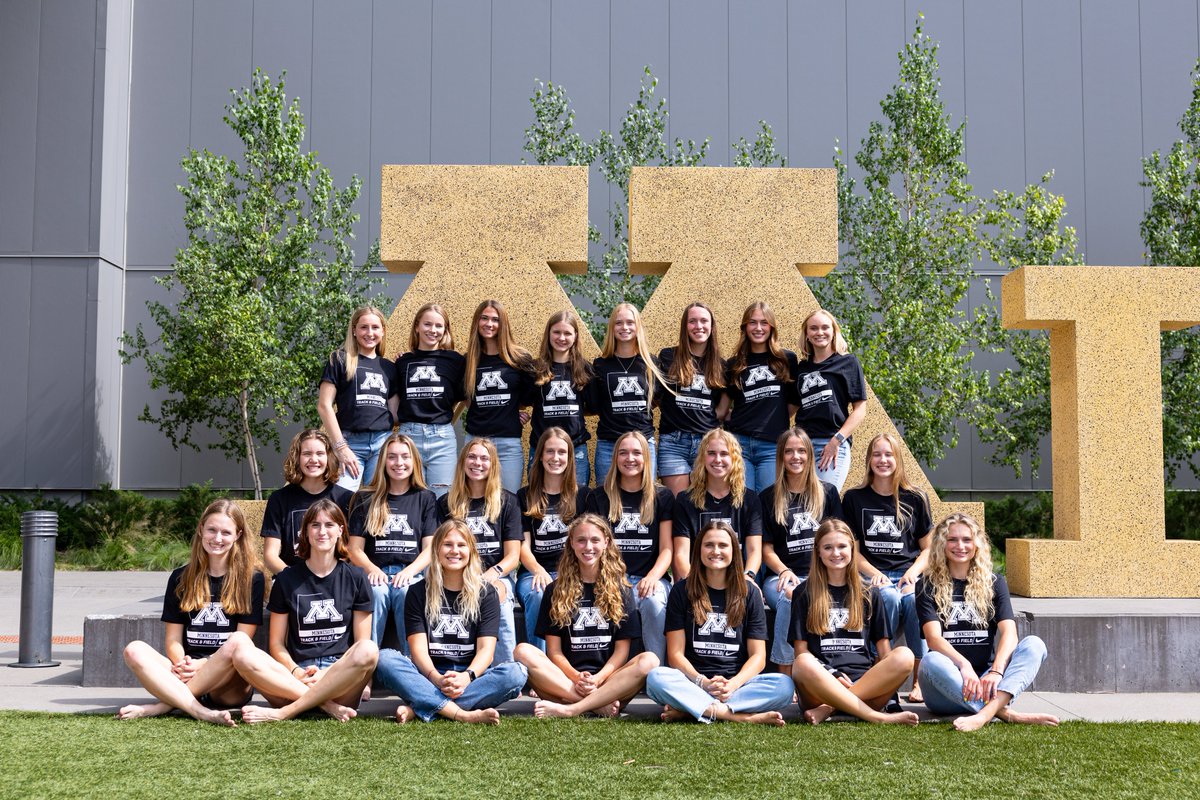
(645, 663)
(525, 653)
(658, 676)
(903, 657)
(1036, 647)
(136, 651)
(805, 667)
(363, 654)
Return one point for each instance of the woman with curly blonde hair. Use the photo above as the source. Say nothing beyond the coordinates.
(975, 666)
(587, 626)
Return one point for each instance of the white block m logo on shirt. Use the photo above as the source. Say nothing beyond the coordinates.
(322, 609)
(425, 374)
(626, 386)
(373, 380)
(490, 380)
(590, 618)
(717, 624)
(884, 526)
(450, 625)
(211, 614)
(759, 373)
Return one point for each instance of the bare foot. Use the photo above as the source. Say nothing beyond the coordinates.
(762, 718)
(1019, 718)
(673, 715)
(256, 714)
(137, 712)
(339, 712)
(900, 718)
(544, 709)
(483, 716)
(610, 710)
(404, 714)
(915, 695)
(218, 718)
(366, 695)
(815, 716)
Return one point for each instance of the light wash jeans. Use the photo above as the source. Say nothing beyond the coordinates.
(438, 447)
(366, 446)
(512, 459)
(837, 476)
(496, 685)
(783, 648)
(506, 641)
(653, 611)
(604, 456)
(583, 469)
(677, 452)
(942, 683)
(769, 691)
(531, 603)
(902, 611)
(759, 456)
(390, 600)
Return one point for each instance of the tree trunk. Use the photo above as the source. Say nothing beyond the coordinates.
(251, 453)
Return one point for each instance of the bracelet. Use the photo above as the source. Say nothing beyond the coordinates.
(296, 668)
(998, 672)
(699, 680)
(340, 445)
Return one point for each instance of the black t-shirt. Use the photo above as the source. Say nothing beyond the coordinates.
(548, 535)
(746, 520)
(452, 641)
(638, 542)
(206, 629)
(885, 543)
(411, 517)
(714, 648)
(760, 397)
(690, 409)
(489, 535)
(430, 384)
(793, 540)
(557, 403)
(618, 393)
(320, 611)
(362, 403)
(825, 392)
(972, 637)
(285, 512)
(841, 649)
(496, 406)
(588, 642)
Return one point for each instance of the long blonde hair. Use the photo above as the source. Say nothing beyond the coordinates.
(511, 353)
(858, 598)
(980, 592)
(581, 370)
(609, 348)
(698, 483)
(377, 492)
(682, 370)
(900, 482)
(776, 358)
(459, 497)
(812, 496)
(536, 501)
(472, 590)
(350, 346)
(839, 341)
(610, 585)
(736, 588)
(612, 481)
(193, 590)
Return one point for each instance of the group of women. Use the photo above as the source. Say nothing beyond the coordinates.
(439, 544)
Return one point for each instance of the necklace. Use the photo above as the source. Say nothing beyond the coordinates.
(626, 368)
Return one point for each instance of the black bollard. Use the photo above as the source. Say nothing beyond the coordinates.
(39, 530)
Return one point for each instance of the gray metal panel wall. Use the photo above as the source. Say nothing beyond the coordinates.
(461, 108)
(20, 25)
(817, 73)
(758, 71)
(699, 98)
(16, 276)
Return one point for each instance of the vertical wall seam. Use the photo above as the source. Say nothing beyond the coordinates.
(1083, 127)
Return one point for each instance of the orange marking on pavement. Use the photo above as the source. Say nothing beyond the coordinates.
(10, 639)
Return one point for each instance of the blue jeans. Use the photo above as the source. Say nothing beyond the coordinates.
(759, 456)
(496, 685)
(583, 469)
(604, 455)
(653, 611)
(512, 459)
(942, 683)
(320, 662)
(390, 600)
(438, 447)
(783, 649)
(769, 691)
(838, 474)
(531, 602)
(677, 452)
(506, 641)
(366, 446)
(902, 611)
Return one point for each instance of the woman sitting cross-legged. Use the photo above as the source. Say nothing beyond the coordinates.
(716, 641)
(975, 665)
(320, 635)
(452, 628)
(835, 617)
(587, 625)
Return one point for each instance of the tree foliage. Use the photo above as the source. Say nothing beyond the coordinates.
(262, 291)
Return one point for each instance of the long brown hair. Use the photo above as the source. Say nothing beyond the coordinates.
(536, 501)
(682, 371)
(698, 483)
(612, 481)
(511, 353)
(458, 499)
(776, 358)
(472, 591)
(334, 512)
(610, 585)
(193, 590)
(736, 588)
(817, 585)
(377, 492)
(812, 496)
(291, 462)
(581, 370)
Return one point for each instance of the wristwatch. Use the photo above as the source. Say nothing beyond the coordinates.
(840, 439)
(471, 674)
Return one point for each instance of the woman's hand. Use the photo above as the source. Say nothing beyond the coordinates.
(988, 684)
(186, 668)
(907, 583)
(646, 588)
(880, 580)
(402, 578)
(788, 581)
(308, 675)
(377, 577)
(348, 460)
(829, 455)
(500, 586)
(719, 688)
(524, 416)
(972, 686)
(585, 684)
(454, 684)
(541, 579)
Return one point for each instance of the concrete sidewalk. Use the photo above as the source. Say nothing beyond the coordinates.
(77, 594)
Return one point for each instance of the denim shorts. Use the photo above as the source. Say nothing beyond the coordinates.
(320, 662)
(677, 452)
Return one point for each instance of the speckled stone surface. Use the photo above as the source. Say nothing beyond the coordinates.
(254, 510)
(1105, 393)
(730, 236)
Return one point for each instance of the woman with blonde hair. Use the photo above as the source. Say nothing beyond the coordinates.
(891, 520)
(836, 618)
(493, 516)
(622, 390)
(391, 524)
(357, 400)
(587, 626)
(561, 376)
(496, 379)
(218, 592)
(976, 666)
(430, 388)
(718, 492)
(452, 628)
(695, 377)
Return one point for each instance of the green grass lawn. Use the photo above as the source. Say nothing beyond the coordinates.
(56, 755)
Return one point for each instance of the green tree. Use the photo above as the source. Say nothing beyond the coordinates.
(262, 290)
(1171, 232)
